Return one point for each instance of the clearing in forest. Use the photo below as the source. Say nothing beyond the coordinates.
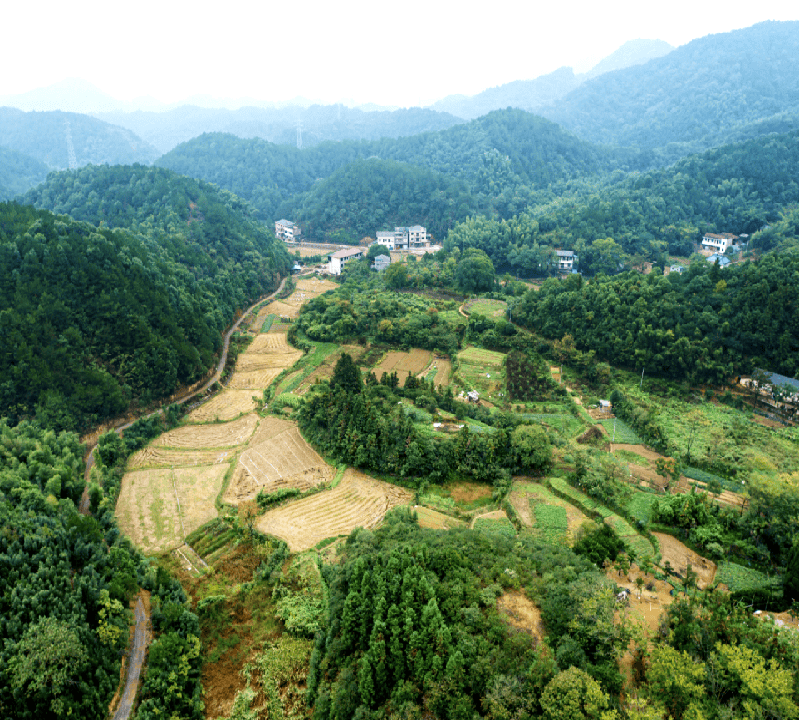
(158, 508)
(401, 363)
(487, 307)
(212, 435)
(443, 373)
(224, 406)
(358, 500)
(526, 495)
(679, 556)
(326, 368)
(285, 460)
(428, 518)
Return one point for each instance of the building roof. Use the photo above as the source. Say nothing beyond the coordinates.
(285, 222)
(347, 253)
(565, 253)
(383, 258)
(720, 236)
(778, 380)
(723, 260)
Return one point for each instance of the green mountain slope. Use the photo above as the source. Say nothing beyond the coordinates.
(19, 172)
(370, 195)
(497, 154)
(95, 317)
(46, 137)
(320, 123)
(697, 96)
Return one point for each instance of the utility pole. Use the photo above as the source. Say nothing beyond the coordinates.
(641, 385)
(299, 135)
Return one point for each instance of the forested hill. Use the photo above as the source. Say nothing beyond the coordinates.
(500, 156)
(369, 195)
(94, 318)
(320, 123)
(705, 324)
(702, 94)
(19, 172)
(738, 188)
(47, 138)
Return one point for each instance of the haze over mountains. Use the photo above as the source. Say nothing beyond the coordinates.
(646, 96)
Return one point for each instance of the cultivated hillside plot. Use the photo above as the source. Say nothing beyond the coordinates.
(402, 363)
(284, 460)
(225, 406)
(213, 435)
(358, 500)
(272, 342)
(157, 509)
(155, 457)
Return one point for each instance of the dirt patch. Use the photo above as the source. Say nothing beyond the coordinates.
(679, 555)
(428, 518)
(521, 504)
(158, 508)
(466, 492)
(443, 374)
(285, 460)
(520, 612)
(225, 406)
(153, 457)
(217, 435)
(358, 500)
(413, 362)
(640, 450)
(491, 516)
(272, 342)
(315, 285)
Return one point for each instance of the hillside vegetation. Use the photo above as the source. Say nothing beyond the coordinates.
(46, 136)
(700, 95)
(96, 317)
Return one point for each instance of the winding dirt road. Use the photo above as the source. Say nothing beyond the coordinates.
(135, 662)
(84, 501)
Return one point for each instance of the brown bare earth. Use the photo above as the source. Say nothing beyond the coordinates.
(325, 370)
(466, 492)
(155, 457)
(402, 363)
(158, 508)
(428, 518)
(315, 286)
(444, 372)
(358, 500)
(521, 613)
(271, 342)
(224, 406)
(283, 461)
(679, 555)
(213, 435)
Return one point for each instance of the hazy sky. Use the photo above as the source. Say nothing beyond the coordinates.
(411, 52)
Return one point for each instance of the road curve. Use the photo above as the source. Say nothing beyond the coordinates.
(85, 503)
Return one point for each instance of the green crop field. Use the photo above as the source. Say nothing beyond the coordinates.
(487, 307)
(493, 525)
(551, 521)
(481, 357)
(640, 505)
(623, 433)
(740, 578)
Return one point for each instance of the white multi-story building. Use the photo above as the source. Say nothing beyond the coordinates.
(566, 259)
(286, 230)
(718, 242)
(403, 238)
(341, 257)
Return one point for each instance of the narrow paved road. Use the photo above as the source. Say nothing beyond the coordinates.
(135, 662)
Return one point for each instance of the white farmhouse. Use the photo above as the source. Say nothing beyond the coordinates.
(286, 230)
(718, 242)
(340, 257)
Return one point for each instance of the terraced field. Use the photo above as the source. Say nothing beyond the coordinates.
(212, 435)
(358, 500)
(158, 508)
(225, 406)
(413, 362)
(283, 461)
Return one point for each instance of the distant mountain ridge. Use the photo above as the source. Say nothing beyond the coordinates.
(547, 89)
(700, 95)
(63, 140)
